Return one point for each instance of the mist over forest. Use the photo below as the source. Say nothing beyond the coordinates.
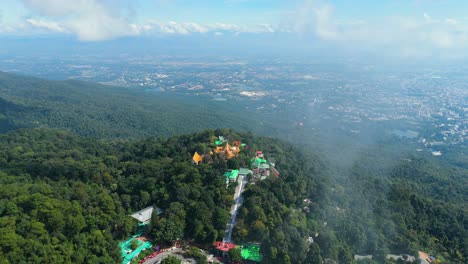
(299, 131)
(371, 188)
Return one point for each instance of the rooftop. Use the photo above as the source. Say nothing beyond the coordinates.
(244, 171)
(144, 215)
(251, 252)
(224, 246)
(232, 174)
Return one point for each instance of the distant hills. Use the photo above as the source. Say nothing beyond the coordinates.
(376, 198)
(100, 111)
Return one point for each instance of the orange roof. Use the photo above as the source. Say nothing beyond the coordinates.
(424, 256)
(197, 158)
(236, 150)
(219, 149)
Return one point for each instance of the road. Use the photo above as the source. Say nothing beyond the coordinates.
(238, 199)
(159, 257)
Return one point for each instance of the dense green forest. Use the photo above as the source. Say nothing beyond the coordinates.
(100, 111)
(416, 206)
(66, 199)
(66, 193)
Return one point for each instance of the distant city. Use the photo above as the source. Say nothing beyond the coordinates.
(426, 105)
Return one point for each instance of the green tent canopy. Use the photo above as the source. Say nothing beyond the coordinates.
(251, 252)
(220, 140)
(257, 161)
(232, 174)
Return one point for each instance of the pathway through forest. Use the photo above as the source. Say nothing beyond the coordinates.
(241, 182)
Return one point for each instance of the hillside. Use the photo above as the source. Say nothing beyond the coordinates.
(66, 199)
(100, 111)
(79, 157)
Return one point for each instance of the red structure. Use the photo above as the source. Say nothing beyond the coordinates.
(275, 171)
(223, 246)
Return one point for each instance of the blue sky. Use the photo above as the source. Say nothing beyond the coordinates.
(203, 11)
(406, 27)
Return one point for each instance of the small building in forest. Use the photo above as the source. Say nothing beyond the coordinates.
(224, 246)
(231, 175)
(257, 161)
(127, 251)
(227, 151)
(221, 140)
(144, 215)
(245, 171)
(251, 253)
(425, 258)
(197, 158)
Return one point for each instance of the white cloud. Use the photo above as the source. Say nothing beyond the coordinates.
(171, 27)
(50, 26)
(185, 28)
(90, 20)
(266, 28)
(325, 27)
(256, 28)
(224, 27)
(7, 29)
(96, 20)
(406, 35)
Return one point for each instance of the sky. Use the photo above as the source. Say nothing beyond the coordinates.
(412, 28)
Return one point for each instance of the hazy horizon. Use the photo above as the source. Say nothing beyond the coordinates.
(403, 30)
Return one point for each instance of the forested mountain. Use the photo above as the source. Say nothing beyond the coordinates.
(362, 213)
(66, 199)
(65, 193)
(100, 111)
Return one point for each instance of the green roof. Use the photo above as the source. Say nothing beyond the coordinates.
(232, 174)
(252, 253)
(257, 161)
(220, 141)
(126, 245)
(244, 171)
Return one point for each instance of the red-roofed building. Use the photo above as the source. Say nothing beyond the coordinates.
(224, 246)
(275, 171)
